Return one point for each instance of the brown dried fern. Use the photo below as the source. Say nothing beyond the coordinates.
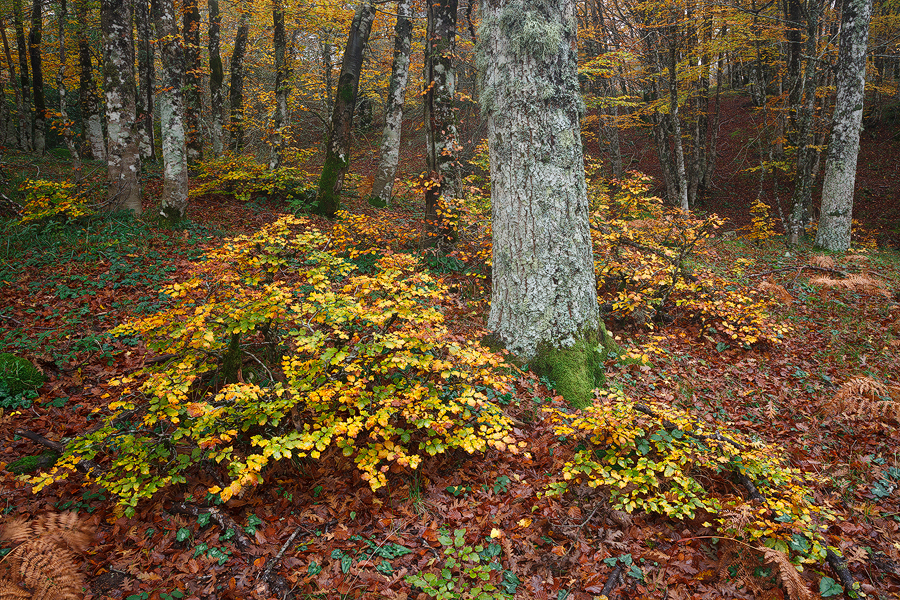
(65, 527)
(864, 397)
(787, 574)
(857, 282)
(10, 591)
(776, 290)
(822, 260)
(735, 561)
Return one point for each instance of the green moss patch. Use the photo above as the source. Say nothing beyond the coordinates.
(29, 464)
(576, 370)
(18, 375)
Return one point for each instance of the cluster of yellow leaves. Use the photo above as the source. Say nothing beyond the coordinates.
(45, 200)
(242, 176)
(762, 226)
(653, 457)
(328, 358)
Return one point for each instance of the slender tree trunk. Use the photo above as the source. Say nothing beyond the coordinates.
(192, 82)
(37, 76)
(26, 123)
(216, 78)
(17, 90)
(66, 131)
(281, 86)
(146, 79)
(843, 150)
(236, 90)
(87, 88)
(329, 85)
(383, 185)
(337, 152)
(676, 136)
(441, 135)
(123, 153)
(544, 295)
(171, 111)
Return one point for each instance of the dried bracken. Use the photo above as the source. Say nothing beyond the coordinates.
(858, 282)
(822, 260)
(864, 397)
(776, 291)
(741, 562)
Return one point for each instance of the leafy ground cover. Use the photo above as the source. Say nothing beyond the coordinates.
(735, 360)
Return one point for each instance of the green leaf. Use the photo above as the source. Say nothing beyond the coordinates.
(346, 563)
(203, 519)
(182, 534)
(829, 587)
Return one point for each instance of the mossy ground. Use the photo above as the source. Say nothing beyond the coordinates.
(575, 370)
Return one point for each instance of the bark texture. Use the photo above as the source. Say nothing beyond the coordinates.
(171, 111)
(840, 168)
(24, 80)
(544, 286)
(192, 83)
(281, 85)
(65, 129)
(146, 79)
(216, 78)
(236, 90)
(441, 136)
(383, 186)
(19, 126)
(123, 154)
(35, 37)
(337, 151)
(87, 89)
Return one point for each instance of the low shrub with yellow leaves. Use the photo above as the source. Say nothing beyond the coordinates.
(656, 458)
(53, 201)
(275, 348)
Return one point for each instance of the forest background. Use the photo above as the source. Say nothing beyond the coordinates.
(278, 386)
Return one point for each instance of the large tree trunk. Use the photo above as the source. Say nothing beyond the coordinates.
(216, 78)
(37, 76)
(66, 130)
(146, 79)
(87, 88)
(383, 185)
(840, 167)
(236, 90)
(26, 124)
(441, 135)
(171, 111)
(22, 113)
(123, 153)
(281, 86)
(192, 83)
(337, 148)
(544, 296)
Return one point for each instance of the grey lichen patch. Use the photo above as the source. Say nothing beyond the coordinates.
(576, 369)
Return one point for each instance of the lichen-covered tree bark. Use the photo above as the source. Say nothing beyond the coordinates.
(279, 40)
(37, 76)
(383, 185)
(26, 130)
(544, 297)
(19, 127)
(122, 155)
(192, 82)
(840, 167)
(441, 135)
(337, 145)
(146, 79)
(171, 111)
(65, 131)
(236, 86)
(87, 89)
(216, 78)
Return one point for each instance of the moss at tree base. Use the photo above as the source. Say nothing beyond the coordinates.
(29, 464)
(576, 370)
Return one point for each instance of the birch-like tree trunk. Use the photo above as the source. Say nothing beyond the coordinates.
(236, 87)
(192, 82)
(383, 185)
(19, 126)
(544, 294)
(337, 147)
(216, 79)
(66, 131)
(26, 122)
(88, 97)
(840, 167)
(123, 154)
(279, 40)
(441, 135)
(146, 78)
(37, 77)
(171, 111)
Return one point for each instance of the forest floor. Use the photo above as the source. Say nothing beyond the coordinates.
(318, 525)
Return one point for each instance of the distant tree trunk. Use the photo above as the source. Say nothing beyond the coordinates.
(442, 139)
(87, 88)
(544, 294)
(192, 82)
(337, 147)
(683, 200)
(37, 77)
(27, 131)
(216, 78)
(329, 85)
(236, 90)
(123, 153)
(281, 85)
(840, 167)
(66, 132)
(383, 185)
(19, 127)
(171, 111)
(146, 79)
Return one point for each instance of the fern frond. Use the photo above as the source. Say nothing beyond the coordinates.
(822, 260)
(858, 282)
(10, 591)
(65, 527)
(47, 568)
(787, 574)
(776, 290)
(864, 397)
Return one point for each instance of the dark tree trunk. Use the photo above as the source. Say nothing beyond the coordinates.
(146, 79)
(37, 76)
(216, 78)
(192, 81)
(337, 148)
(27, 130)
(237, 83)
(87, 89)
(442, 138)
(19, 126)
(65, 128)
(281, 85)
